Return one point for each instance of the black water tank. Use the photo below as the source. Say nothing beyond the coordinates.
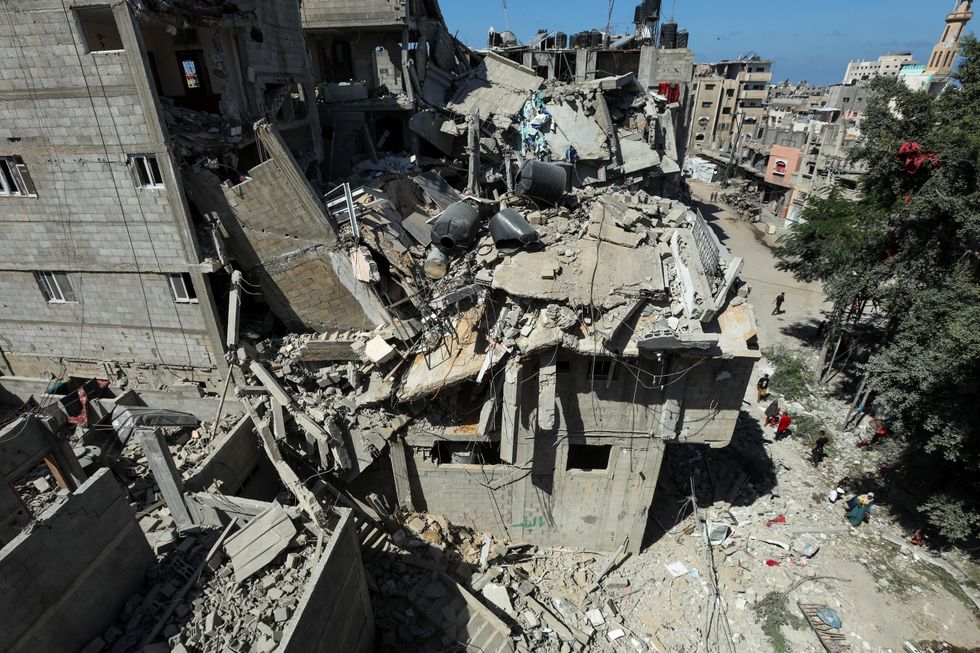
(457, 226)
(511, 232)
(544, 182)
(668, 35)
(649, 10)
(682, 38)
(561, 40)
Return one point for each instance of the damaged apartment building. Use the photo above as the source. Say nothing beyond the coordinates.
(279, 276)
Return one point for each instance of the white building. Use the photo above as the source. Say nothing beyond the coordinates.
(887, 65)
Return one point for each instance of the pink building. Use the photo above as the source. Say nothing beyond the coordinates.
(784, 162)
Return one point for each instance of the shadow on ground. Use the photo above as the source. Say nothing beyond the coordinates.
(736, 475)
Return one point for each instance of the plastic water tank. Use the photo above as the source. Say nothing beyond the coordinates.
(511, 232)
(668, 35)
(456, 227)
(682, 38)
(544, 182)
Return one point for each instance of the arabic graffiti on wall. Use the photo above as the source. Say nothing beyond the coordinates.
(531, 523)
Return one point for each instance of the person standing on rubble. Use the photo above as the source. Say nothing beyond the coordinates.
(782, 429)
(819, 448)
(780, 298)
(763, 387)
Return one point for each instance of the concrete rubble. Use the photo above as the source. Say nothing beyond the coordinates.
(406, 386)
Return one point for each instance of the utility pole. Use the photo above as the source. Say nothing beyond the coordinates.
(506, 17)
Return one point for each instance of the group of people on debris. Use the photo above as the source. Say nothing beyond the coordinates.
(858, 507)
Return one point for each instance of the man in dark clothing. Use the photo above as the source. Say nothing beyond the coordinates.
(780, 298)
(819, 448)
(763, 387)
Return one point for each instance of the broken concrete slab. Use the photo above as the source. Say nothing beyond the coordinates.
(260, 541)
(498, 86)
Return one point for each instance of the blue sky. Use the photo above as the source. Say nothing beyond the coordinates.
(807, 40)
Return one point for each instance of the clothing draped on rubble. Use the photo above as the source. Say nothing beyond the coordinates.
(534, 118)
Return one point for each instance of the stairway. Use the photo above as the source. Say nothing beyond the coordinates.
(460, 615)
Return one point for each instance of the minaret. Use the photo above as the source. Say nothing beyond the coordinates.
(943, 56)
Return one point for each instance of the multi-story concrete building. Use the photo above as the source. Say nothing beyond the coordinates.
(888, 65)
(728, 102)
(106, 110)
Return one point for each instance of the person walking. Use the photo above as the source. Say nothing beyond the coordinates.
(763, 387)
(782, 429)
(780, 298)
(772, 413)
(819, 448)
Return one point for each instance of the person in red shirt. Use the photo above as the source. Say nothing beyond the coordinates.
(782, 429)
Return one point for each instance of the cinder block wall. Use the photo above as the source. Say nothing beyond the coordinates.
(75, 117)
(710, 406)
(298, 277)
(66, 580)
(335, 612)
(119, 316)
(342, 13)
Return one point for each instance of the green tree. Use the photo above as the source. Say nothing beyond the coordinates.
(912, 245)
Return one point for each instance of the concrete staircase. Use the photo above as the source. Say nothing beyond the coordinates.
(461, 615)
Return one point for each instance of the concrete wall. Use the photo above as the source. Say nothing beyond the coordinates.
(67, 580)
(231, 462)
(335, 612)
(75, 117)
(323, 14)
(790, 158)
(120, 316)
(545, 500)
(281, 236)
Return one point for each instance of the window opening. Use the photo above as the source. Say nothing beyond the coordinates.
(466, 453)
(182, 288)
(99, 29)
(588, 457)
(14, 177)
(603, 370)
(56, 287)
(146, 171)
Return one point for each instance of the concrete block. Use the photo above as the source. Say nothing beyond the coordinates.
(378, 350)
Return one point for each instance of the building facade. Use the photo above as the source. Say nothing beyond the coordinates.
(108, 268)
(888, 65)
(728, 102)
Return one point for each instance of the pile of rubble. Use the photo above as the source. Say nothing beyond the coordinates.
(467, 284)
(209, 593)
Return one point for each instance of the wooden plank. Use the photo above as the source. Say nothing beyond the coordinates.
(58, 476)
(258, 543)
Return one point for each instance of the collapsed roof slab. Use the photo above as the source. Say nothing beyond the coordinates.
(599, 273)
(459, 359)
(498, 86)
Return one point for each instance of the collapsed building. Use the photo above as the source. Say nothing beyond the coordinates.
(264, 311)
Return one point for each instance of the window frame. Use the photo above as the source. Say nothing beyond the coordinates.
(145, 169)
(78, 14)
(15, 178)
(52, 287)
(186, 285)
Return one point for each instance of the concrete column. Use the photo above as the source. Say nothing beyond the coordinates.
(675, 384)
(166, 475)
